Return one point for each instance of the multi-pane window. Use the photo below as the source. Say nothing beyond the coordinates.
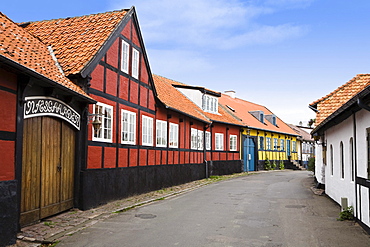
(275, 143)
(208, 140)
(194, 139)
(125, 56)
(282, 144)
(161, 133)
(210, 104)
(174, 135)
(261, 143)
(128, 127)
(233, 141)
(135, 63)
(200, 140)
(104, 114)
(294, 146)
(268, 143)
(219, 141)
(147, 131)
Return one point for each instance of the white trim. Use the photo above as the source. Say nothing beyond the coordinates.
(208, 140)
(219, 140)
(200, 141)
(147, 131)
(125, 55)
(135, 63)
(174, 135)
(128, 126)
(161, 133)
(233, 142)
(106, 119)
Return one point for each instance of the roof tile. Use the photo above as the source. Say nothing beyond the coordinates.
(334, 100)
(23, 48)
(76, 40)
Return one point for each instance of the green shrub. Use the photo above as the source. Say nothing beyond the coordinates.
(346, 214)
(281, 165)
(311, 164)
(267, 165)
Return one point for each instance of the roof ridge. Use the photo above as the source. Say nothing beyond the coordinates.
(354, 79)
(244, 100)
(70, 17)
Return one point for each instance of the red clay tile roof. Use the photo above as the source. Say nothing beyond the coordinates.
(23, 48)
(171, 97)
(242, 108)
(302, 132)
(76, 40)
(333, 101)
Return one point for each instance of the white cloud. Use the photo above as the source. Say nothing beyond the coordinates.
(211, 24)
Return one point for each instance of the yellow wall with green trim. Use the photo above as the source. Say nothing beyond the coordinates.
(270, 153)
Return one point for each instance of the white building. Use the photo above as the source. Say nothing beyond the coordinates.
(343, 146)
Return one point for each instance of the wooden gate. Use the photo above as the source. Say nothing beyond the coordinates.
(47, 168)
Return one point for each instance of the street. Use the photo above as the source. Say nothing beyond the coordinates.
(265, 209)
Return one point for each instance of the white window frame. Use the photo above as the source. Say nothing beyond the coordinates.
(233, 142)
(282, 144)
(128, 127)
(105, 133)
(125, 55)
(193, 138)
(294, 146)
(219, 141)
(135, 63)
(161, 133)
(208, 140)
(210, 104)
(200, 141)
(276, 144)
(147, 131)
(174, 135)
(268, 143)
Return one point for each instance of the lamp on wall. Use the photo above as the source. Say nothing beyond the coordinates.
(95, 120)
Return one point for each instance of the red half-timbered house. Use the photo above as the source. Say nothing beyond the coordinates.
(84, 122)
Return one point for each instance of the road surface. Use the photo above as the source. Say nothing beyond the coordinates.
(267, 209)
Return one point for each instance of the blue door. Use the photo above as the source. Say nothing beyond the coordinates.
(288, 147)
(248, 154)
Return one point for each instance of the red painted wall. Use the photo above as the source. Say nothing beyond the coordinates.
(8, 110)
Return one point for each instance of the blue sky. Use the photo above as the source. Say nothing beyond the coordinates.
(283, 54)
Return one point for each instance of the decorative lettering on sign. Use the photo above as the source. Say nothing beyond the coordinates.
(48, 106)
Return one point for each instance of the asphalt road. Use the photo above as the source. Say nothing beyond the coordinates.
(266, 209)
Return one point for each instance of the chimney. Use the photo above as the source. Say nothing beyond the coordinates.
(231, 93)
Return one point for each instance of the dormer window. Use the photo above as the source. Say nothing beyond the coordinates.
(272, 119)
(210, 104)
(259, 115)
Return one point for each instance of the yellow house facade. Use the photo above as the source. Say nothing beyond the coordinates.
(266, 141)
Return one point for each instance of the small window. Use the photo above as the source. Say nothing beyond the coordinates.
(294, 146)
(128, 132)
(233, 142)
(135, 63)
(200, 140)
(147, 129)
(268, 143)
(208, 140)
(161, 133)
(341, 160)
(282, 144)
(104, 134)
(351, 156)
(331, 160)
(275, 144)
(125, 56)
(194, 139)
(261, 143)
(210, 104)
(174, 135)
(219, 137)
(262, 117)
